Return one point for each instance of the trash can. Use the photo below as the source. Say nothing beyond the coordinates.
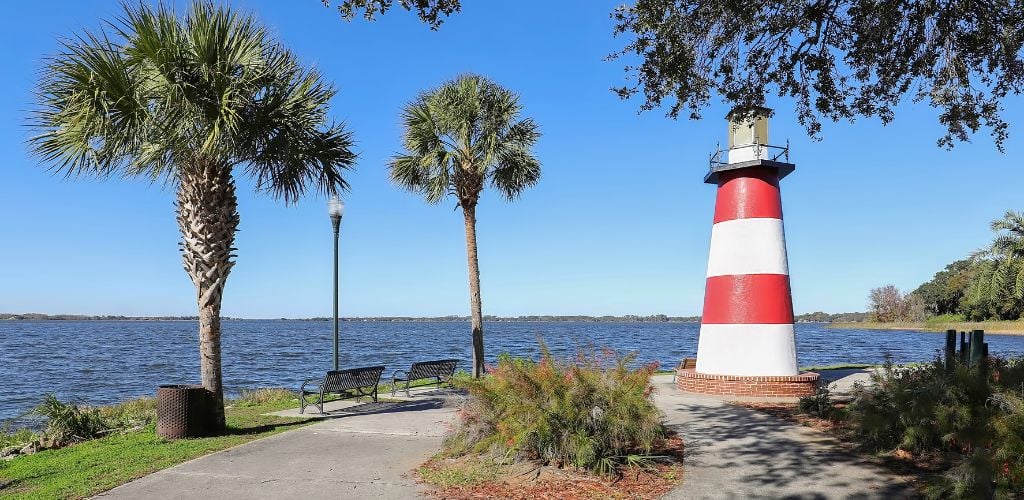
(182, 411)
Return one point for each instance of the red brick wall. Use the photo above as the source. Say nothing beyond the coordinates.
(804, 384)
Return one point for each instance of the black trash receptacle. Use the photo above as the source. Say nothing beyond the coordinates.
(182, 411)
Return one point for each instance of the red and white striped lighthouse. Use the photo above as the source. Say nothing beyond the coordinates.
(747, 344)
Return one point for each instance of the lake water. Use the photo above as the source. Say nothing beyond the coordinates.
(100, 362)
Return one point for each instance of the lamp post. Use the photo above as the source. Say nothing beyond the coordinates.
(336, 209)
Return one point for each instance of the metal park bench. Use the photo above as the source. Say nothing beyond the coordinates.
(351, 383)
(442, 370)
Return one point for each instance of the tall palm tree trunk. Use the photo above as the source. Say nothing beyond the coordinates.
(476, 309)
(208, 218)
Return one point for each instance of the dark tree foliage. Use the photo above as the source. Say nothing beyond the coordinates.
(837, 59)
(944, 292)
(431, 12)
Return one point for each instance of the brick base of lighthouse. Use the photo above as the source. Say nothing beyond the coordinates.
(804, 384)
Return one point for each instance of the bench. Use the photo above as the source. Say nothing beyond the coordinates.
(441, 369)
(351, 383)
(685, 364)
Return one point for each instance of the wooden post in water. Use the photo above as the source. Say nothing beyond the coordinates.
(963, 347)
(950, 360)
(977, 347)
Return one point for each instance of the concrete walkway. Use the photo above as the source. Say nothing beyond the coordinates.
(734, 452)
(364, 450)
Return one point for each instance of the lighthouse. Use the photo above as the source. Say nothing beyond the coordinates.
(746, 345)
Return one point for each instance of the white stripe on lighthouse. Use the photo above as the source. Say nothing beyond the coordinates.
(765, 350)
(748, 246)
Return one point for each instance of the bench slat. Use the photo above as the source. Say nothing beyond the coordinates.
(432, 369)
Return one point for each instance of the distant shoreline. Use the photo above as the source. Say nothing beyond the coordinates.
(994, 327)
(816, 317)
(386, 319)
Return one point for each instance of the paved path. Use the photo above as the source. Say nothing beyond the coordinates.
(366, 453)
(733, 452)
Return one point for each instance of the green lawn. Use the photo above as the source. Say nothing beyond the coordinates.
(91, 467)
(840, 366)
(95, 466)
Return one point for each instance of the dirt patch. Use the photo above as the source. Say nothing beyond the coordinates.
(474, 477)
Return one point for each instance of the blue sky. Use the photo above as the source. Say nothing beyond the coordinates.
(619, 223)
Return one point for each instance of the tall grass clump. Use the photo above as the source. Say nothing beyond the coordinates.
(68, 423)
(592, 413)
(973, 414)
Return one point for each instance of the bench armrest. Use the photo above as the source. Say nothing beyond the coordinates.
(395, 376)
(316, 381)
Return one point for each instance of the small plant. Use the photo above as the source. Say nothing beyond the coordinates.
(16, 438)
(819, 404)
(593, 413)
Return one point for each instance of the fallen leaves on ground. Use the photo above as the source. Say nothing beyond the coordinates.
(529, 480)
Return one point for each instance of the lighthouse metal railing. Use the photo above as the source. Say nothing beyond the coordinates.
(759, 151)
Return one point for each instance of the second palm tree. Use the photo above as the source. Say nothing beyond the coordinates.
(458, 138)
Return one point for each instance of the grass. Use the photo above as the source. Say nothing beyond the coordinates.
(468, 471)
(94, 466)
(840, 366)
(1003, 327)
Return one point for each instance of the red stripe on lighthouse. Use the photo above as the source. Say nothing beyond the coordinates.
(748, 299)
(748, 193)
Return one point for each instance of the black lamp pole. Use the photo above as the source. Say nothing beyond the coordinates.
(335, 209)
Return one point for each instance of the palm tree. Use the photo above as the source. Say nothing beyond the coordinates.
(459, 137)
(188, 102)
(997, 286)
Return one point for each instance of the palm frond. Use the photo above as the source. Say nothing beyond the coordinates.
(155, 92)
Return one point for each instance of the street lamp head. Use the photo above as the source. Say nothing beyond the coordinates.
(335, 207)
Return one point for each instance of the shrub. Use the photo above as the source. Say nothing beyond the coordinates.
(975, 413)
(819, 404)
(69, 423)
(593, 413)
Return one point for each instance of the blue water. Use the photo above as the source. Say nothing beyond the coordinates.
(99, 362)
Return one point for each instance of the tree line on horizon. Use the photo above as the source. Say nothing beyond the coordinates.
(988, 284)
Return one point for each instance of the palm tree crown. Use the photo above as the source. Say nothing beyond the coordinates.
(1009, 239)
(154, 94)
(463, 135)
